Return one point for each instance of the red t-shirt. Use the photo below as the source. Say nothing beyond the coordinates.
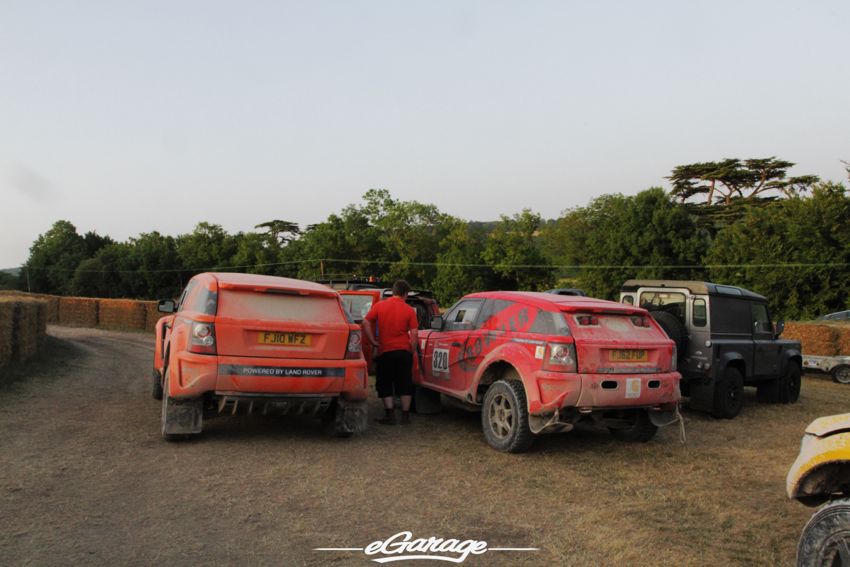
(391, 320)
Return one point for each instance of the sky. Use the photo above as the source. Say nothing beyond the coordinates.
(128, 117)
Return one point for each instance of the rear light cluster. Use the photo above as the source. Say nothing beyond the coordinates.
(587, 320)
(201, 337)
(560, 357)
(640, 321)
(355, 344)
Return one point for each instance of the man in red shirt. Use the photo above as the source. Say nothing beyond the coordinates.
(394, 322)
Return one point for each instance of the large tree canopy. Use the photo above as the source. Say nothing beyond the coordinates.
(724, 181)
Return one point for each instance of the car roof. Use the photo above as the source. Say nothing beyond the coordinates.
(260, 282)
(560, 302)
(707, 288)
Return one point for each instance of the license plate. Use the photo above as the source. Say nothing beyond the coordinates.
(628, 356)
(284, 339)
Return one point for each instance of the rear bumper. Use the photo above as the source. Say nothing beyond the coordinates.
(192, 375)
(556, 390)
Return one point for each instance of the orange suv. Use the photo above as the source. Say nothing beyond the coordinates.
(536, 363)
(259, 343)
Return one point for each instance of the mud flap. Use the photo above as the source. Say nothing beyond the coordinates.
(548, 424)
(183, 417)
(665, 418)
(351, 417)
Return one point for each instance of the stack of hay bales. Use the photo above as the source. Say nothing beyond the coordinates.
(152, 315)
(7, 324)
(23, 327)
(78, 311)
(820, 338)
(51, 300)
(124, 314)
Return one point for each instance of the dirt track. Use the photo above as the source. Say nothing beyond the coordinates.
(86, 479)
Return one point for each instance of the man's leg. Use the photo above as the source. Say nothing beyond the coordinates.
(405, 383)
(383, 383)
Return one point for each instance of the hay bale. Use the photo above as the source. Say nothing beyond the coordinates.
(121, 314)
(51, 307)
(7, 318)
(78, 311)
(51, 300)
(152, 315)
(816, 339)
(842, 338)
(30, 327)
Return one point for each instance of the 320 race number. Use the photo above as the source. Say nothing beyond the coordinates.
(440, 361)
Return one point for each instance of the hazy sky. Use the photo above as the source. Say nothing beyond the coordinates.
(127, 117)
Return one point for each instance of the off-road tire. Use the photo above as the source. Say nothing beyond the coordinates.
(640, 431)
(504, 416)
(728, 394)
(841, 374)
(156, 391)
(674, 328)
(826, 536)
(788, 385)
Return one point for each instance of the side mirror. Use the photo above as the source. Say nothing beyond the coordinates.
(778, 328)
(437, 323)
(166, 306)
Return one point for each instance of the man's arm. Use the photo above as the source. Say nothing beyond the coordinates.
(370, 334)
(414, 339)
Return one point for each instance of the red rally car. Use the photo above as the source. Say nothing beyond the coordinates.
(261, 343)
(538, 363)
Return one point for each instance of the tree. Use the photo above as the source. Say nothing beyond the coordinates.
(616, 238)
(208, 247)
(281, 231)
(729, 179)
(410, 234)
(256, 252)
(53, 258)
(813, 231)
(514, 251)
(112, 272)
(460, 265)
(155, 256)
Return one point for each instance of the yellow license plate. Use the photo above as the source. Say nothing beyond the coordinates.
(628, 356)
(285, 339)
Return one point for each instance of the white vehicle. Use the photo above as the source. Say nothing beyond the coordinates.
(838, 366)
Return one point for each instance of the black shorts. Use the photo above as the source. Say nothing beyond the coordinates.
(394, 374)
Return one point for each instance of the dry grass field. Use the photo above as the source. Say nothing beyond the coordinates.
(86, 479)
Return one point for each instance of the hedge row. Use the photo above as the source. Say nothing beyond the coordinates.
(23, 327)
(122, 314)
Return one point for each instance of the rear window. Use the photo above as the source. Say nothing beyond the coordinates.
(277, 306)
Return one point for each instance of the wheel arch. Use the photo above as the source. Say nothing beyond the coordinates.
(820, 483)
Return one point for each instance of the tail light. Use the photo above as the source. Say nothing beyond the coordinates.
(355, 344)
(201, 337)
(560, 357)
(640, 321)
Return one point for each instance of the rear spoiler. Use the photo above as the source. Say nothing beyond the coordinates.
(323, 292)
(626, 310)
